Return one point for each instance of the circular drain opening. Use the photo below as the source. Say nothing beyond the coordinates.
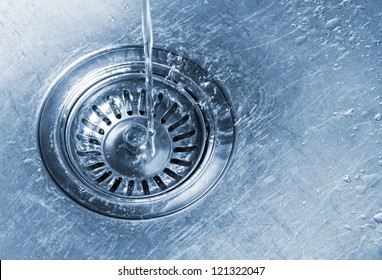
(107, 139)
(94, 141)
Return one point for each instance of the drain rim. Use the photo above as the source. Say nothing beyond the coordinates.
(216, 158)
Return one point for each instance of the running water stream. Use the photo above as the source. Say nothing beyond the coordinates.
(148, 44)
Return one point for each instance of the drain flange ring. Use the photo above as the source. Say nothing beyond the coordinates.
(93, 135)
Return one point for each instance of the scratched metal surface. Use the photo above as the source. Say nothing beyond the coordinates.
(305, 82)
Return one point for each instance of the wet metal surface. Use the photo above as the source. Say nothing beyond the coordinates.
(304, 78)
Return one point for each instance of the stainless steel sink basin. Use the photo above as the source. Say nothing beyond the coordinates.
(304, 79)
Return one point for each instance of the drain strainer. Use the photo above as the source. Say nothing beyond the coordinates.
(95, 143)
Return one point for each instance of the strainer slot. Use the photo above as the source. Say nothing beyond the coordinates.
(159, 182)
(169, 113)
(145, 187)
(142, 102)
(95, 165)
(184, 135)
(178, 123)
(101, 115)
(130, 188)
(158, 101)
(88, 153)
(172, 174)
(93, 127)
(114, 108)
(186, 149)
(88, 139)
(103, 177)
(127, 100)
(117, 182)
(180, 162)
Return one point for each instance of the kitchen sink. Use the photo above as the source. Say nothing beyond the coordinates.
(293, 144)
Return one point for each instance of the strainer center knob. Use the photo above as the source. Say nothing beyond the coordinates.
(126, 148)
(135, 137)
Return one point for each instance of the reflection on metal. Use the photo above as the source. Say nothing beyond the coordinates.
(94, 140)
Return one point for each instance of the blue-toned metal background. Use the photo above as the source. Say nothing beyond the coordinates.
(304, 78)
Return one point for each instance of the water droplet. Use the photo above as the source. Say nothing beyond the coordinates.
(336, 66)
(346, 178)
(21, 55)
(111, 19)
(127, 6)
(333, 23)
(352, 39)
(348, 227)
(300, 40)
(378, 117)
(269, 179)
(348, 113)
(378, 217)
(342, 49)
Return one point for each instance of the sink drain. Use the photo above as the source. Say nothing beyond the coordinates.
(107, 139)
(94, 140)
